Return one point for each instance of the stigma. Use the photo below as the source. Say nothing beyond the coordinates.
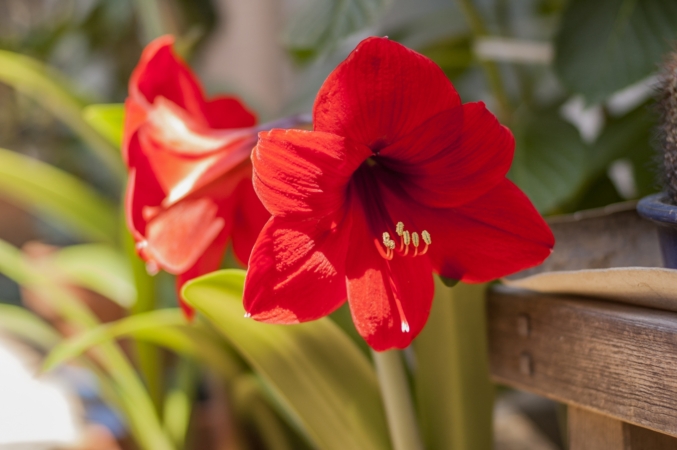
(408, 243)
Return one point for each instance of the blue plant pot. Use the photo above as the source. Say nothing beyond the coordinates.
(657, 209)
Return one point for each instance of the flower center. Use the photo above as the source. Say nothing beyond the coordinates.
(388, 247)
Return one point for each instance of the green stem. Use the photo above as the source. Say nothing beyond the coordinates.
(396, 395)
(491, 70)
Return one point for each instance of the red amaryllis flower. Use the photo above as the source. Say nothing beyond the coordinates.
(189, 187)
(398, 180)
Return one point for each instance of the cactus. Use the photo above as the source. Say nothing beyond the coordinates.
(667, 106)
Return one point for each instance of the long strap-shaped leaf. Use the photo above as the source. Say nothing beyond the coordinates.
(46, 188)
(318, 374)
(166, 328)
(454, 393)
(50, 89)
(133, 396)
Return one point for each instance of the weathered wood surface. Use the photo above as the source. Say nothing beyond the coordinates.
(618, 360)
(593, 431)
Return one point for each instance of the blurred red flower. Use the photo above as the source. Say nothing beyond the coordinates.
(189, 187)
(397, 180)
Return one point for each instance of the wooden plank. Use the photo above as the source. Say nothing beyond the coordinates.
(618, 360)
(592, 431)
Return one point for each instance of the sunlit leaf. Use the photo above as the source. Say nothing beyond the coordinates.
(131, 393)
(606, 45)
(321, 377)
(321, 24)
(551, 160)
(38, 185)
(99, 268)
(107, 120)
(26, 325)
(51, 90)
(166, 328)
(453, 389)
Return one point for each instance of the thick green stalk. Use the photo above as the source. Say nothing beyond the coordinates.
(399, 407)
(454, 394)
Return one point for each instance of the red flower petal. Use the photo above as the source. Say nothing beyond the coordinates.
(178, 236)
(161, 74)
(452, 158)
(209, 261)
(185, 160)
(304, 173)
(390, 300)
(380, 93)
(493, 236)
(296, 271)
(249, 218)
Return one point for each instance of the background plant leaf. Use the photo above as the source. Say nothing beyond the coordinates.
(319, 375)
(107, 119)
(99, 268)
(606, 45)
(50, 89)
(551, 160)
(38, 185)
(453, 389)
(321, 24)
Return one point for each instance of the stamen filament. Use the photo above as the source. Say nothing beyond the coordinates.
(415, 241)
(385, 254)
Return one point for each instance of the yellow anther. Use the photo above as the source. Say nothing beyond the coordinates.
(407, 237)
(414, 239)
(386, 238)
(399, 228)
(426, 237)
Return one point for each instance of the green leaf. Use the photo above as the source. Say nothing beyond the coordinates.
(28, 326)
(51, 90)
(320, 376)
(453, 54)
(629, 136)
(551, 160)
(50, 190)
(132, 395)
(167, 328)
(320, 25)
(107, 120)
(606, 45)
(453, 389)
(99, 268)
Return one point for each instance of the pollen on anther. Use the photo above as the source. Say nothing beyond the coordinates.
(390, 245)
(399, 228)
(406, 236)
(414, 239)
(386, 238)
(426, 237)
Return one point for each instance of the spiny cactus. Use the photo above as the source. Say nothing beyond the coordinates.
(667, 105)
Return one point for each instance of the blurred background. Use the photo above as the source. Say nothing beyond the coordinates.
(572, 79)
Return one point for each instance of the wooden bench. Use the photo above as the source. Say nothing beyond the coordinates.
(614, 365)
